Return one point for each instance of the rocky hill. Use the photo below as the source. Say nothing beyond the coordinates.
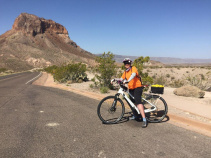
(37, 42)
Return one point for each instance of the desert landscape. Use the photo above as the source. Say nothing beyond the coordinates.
(35, 43)
(56, 67)
(60, 65)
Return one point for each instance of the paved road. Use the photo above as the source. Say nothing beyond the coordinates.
(44, 122)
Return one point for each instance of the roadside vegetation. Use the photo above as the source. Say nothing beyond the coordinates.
(107, 69)
(179, 76)
(104, 72)
(70, 73)
(3, 70)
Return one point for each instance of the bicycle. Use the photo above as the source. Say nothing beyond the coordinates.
(111, 109)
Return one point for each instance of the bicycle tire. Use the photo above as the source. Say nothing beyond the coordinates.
(108, 114)
(162, 108)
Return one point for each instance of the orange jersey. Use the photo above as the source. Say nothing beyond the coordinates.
(135, 82)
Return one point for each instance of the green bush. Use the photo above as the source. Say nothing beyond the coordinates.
(138, 63)
(3, 70)
(167, 75)
(172, 78)
(160, 80)
(177, 83)
(106, 69)
(51, 69)
(71, 72)
(91, 86)
(104, 89)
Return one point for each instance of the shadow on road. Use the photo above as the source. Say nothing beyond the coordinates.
(127, 116)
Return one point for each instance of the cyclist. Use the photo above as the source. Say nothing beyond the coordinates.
(131, 77)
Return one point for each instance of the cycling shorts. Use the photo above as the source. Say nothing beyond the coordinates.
(137, 93)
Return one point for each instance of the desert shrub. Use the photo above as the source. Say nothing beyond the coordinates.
(167, 75)
(197, 81)
(148, 70)
(104, 89)
(177, 83)
(172, 78)
(202, 76)
(91, 86)
(106, 69)
(193, 80)
(146, 79)
(138, 63)
(51, 69)
(154, 76)
(71, 72)
(160, 80)
(3, 70)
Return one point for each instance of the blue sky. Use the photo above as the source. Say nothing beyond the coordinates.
(156, 28)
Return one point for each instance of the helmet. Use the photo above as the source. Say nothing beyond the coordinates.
(127, 61)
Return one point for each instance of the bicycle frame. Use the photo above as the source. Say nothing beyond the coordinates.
(131, 104)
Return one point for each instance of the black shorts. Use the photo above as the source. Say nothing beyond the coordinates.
(137, 93)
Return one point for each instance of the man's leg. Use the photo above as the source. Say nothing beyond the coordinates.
(141, 109)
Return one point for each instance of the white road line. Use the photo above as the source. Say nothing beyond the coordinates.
(34, 78)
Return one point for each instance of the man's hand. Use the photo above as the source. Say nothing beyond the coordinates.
(113, 80)
(125, 82)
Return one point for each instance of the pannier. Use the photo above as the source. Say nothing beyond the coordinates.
(158, 89)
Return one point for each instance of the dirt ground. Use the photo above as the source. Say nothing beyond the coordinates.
(177, 76)
(194, 117)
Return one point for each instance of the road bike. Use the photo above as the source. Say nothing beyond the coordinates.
(111, 109)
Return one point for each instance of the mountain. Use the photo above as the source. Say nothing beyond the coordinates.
(166, 60)
(37, 42)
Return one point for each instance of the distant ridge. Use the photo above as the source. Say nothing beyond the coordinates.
(166, 60)
(169, 60)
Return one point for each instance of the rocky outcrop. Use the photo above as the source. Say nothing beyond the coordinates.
(34, 25)
(189, 91)
(36, 42)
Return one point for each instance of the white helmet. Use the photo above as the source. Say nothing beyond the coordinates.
(127, 61)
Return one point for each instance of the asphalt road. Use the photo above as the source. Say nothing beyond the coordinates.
(45, 122)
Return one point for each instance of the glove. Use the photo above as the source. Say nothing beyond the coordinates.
(125, 82)
(113, 80)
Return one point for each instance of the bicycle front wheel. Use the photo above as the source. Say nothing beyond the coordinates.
(111, 110)
(159, 114)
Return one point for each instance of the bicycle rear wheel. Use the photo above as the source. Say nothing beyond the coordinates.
(159, 114)
(110, 110)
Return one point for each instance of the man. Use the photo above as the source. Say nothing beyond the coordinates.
(131, 77)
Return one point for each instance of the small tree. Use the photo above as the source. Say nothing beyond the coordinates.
(139, 64)
(106, 68)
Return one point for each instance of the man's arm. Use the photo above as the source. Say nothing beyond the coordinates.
(132, 76)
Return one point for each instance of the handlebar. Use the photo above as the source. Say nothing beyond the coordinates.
(120, 82)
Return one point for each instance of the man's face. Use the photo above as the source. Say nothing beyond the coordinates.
(127, 66)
